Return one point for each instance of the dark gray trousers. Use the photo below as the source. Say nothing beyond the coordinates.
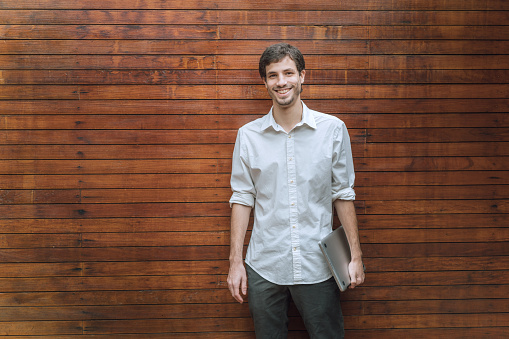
(318, 305)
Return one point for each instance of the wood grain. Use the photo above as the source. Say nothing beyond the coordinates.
(418, 5)
(207, 106)
(233, 62)
(214, 122)
(228, 77)
(241, 47)
(117, 125)
(249, 32)
(251, 17)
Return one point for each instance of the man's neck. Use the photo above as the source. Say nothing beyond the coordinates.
(288, 117)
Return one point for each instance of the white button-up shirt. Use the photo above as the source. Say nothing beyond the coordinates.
(291, 180)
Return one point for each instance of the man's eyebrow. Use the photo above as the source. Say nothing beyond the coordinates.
(285, 70)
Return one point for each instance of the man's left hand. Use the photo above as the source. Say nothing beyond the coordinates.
(356, 271)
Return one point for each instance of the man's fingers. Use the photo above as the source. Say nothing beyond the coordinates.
(356, 282)
(236, 293)
(238, 297)
(356, 274)
(236, 285)
(233, 286)
(243, 286)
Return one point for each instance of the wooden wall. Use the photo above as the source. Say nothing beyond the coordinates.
(118, 119)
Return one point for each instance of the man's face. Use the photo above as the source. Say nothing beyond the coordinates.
(283, 82)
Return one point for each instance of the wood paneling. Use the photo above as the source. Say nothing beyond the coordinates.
(117, 126)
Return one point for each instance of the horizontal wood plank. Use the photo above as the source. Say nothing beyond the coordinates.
(221, 252)
(137, 181)
(234, 62)
(39, 240)
(251, 17)
(23, 48)
(256, 107)
(155, 210)
(79, 254)
(194, 224)
(427, 321)
(45, 328)
(187, 92)
(24, 155)
(221, 238)
(246, 32)
(82, 151)
(217, 267)
(482, 293)
(121, 312)
(442, 333)
(228, 77)
(97, 196)
(419, 5)
(167, 282)
(16, 270)
(26, 124)
(224, 165)
(433, 135)
(220, 335)
(187, 139)
(351, 322)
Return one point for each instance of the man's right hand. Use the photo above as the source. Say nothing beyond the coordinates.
(237, 281)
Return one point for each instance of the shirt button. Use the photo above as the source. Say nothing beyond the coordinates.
(293, 204)
(295, 248)
(290, 159)
(289, 137)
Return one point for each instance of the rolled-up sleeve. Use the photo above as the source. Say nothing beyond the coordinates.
(343, 175)
(241, 181)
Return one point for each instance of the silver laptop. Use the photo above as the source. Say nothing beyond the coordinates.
(336, 250)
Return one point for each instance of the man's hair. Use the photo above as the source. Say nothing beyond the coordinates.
(278, 52)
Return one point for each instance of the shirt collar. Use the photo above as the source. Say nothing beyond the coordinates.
(307, 118)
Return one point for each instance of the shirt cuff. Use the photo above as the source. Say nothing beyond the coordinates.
(344, 194)
(246, 199)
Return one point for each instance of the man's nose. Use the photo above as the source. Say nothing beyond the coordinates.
(281, 81)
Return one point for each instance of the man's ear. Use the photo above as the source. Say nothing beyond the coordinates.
(302, 75)
(265, 83)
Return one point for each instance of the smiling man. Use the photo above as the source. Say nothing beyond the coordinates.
(292, 166)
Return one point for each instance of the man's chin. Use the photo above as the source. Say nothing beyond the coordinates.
(286, 102)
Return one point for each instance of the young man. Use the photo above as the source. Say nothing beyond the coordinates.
(292, 166)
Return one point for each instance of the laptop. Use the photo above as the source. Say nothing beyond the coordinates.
(336, 250)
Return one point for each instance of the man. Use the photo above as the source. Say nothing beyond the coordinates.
(292, 166)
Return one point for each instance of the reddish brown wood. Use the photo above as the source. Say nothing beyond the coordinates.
(117, 124)
(227, 62)
(222, 151)
(456, 333)
(419, 5)
(249, 32)
(252, 17)
(189, 92)
(226, 77)
(222, 180)
(44, 328)
(240, 47)
(207, 106)
(212, 123)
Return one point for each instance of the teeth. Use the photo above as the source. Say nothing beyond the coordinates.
(283, 91)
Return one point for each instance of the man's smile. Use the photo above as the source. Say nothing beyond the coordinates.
(282, 91)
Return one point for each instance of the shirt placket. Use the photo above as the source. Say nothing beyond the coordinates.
(292, 201)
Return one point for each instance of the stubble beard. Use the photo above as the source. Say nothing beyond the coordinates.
(287, 101)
